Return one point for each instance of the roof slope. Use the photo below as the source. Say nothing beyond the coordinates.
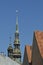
(7, 61)
(39, 38)
(28, 50)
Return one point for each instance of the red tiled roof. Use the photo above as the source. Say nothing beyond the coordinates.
(28, 50)
(39, 38)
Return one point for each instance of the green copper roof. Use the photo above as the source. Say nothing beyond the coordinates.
(10, 47)
(17, 41)
(16, 51)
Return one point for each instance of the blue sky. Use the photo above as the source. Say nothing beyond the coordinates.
(30, 19)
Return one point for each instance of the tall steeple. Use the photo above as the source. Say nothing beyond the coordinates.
(16, 51)
(16, 41)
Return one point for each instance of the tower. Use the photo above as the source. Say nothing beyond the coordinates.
(16, 50)
(10, 50)
(15, 53)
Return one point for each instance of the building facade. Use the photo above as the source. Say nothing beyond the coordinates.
(33, 55)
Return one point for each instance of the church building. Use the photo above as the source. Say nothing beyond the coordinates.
(15, 53)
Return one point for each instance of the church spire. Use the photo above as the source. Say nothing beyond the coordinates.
(16, 51)
(16, 41)
(17, 21)
(10, 49)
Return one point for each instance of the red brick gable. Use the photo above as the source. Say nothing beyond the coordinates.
(39, 38)
(28, 51)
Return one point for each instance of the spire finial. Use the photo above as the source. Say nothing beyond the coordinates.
(16, 11)
(16, 16)
(16, 20)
